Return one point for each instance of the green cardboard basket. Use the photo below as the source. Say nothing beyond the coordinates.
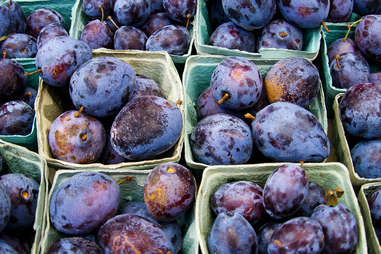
(132, 190)
(30, 139)
(203, 31)
(373, 243)
(328, 175)
(50, 103)
(196, 78)
(343, 147)
(21, 160)
(80, 20)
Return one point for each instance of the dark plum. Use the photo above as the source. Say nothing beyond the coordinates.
(374, 202)
(146, 127)
(132, 12)
(5, 207)
(74, 245)
(375, 77)
(249, 14)
(368, 38)
(341, 47)
(314, 198)
(230, 36)
(207, 105)
(76, 137)
(23, 192)
(138, 208)
(304, 14)
(102, 86)
(12, 80)
(156, 5)
(145, 86)
(284, 131)
(5, 19)
(221, 139)
(365, 7)
(129, 37)
(59, 57)
(285, 191)
(19, 46)
(361, 111)
(281, 34)
(241, 197)
(109, 155)
(16, 118)
(339, 226)
(12, 245)
(298, 235)
(169, 191)
(180, 11)
(129, 233)
(216, 13)
(294, 80)
(50, 31)
(40, 18)
(155, 22)
(366, 157)
(83, 202)
(29, 96)
(97, 34)
(264, 237)
(91, 7)
(17, 18)
(349, 69)
(172, 38)
(340, 11)
(236, 83)
(232, 234)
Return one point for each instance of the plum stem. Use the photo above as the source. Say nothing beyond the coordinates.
(278, 243)
(10, 3)
(330, 198)
(103, 13)
(350, 27)
(171, 170)
(188, 19)
(84, 137)
(78, 113)
(339, 192)
(3, 38)
(249, 116)
(338, 61)
(32, 73)
(325, 27)
(226, 96)
(113, 22)
(283, 34)
(301, 163)
(25, 195)
(28, 94)
(4, 54)
(179, 102)
(127, 178)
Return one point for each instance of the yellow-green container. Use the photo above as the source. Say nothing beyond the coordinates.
(158, 66)
(196, 78)
(373, 243)
(328, 175)
(343, 147)
(203, 30)
(80, 19)
(132, 190)
(21, 160)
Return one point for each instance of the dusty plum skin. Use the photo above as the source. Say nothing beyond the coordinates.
(155, 22)
(77, 139)
(366, 157)
(97, 35)
(178, 10)
(40, 18)
(109, 155)
(264, 236)
(91, 7)
(207, 105)
(5, 207)
(365, 7)
(374, 201)
(375, 77)
(172, 38)
(16, 118)
(17, 18)
(314, 198)
(19, 46)
(340, 47)
(12, 80)
(368, 36)
(50, 31)
(340, 11)
(129, 37)
(145, 86)
(132, 12)
(74, 245)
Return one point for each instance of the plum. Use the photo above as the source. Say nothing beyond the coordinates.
(249, 14)
(374, 201)
(216, 13)
(129, 37)
(368, 38)
(230, 36)
(281, 34)
(19, 46)
(221, 139)
(16, 118)
(40, 18)
(102, 86)
(145, 86)
(91, 8)
(236, 83)
(76, 137)
(155, 22)
(314, 198)
(366, 157)
(341, 10)
(264, 236)
(294, 80)
(132, 12)
(83, 202)
(5, 207)
(97, 34)
(50, 31)
(5, 19)
(365, 7)
(12, 245)
(340, 47)
(375, 77)
(169, 191)
(59, 57)
(156, 5)
(109, 155)
(146, 127)
(360, 110)
(12, 80)
(172, 38)
(232, 234)
(29, 96)
(74, 245)
(16, 17)
(207, 105)
(180, 11)
(284, 131)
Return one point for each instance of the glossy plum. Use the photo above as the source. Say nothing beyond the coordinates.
(374, 202)
(264, 236)
(74, 245)
(83, 202)
(368, 38)
(314, 198)
(132, 12)
(19, 46)
(221, 139)
(29, 96)
(179, 10)
(129, 37)
(365, 7)
(91, 7)
(145, 86)
(155, 22)
(40, 18)
(50, 31)
(5, 207)
(16, 118)
(340, 11)
(366, 157)
(97, 34)
(341, 47)
(172, 38)
(12, 80)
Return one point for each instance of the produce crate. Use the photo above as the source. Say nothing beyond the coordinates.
(343, 146)
(204, 29)
(196, 78)
(80, 20)
(373, 243)
(327, 175)
(20, 160)
(30, 140)
(132, 190)
(50, 103)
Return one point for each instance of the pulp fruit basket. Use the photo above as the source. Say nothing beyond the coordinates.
(365, 191)
(343, 145)
(29, 140)
(22, 161)
(51, 102)
(131, 190)
(80, 20)
(203, 30)
(327, 175)
(196, 78)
